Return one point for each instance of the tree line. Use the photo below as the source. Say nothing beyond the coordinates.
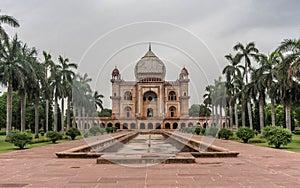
(254, 80)
(34, 81)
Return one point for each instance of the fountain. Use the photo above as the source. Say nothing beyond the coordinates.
(146, 147)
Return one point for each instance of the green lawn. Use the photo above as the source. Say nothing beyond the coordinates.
(8, 147)
(293, 146)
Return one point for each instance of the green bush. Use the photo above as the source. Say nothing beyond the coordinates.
(197, 130)
(2, 133)
(234, 137)
(225, 134)
(190, 130)
(95, 130)
(20, 139)
(212, 131)
(42, 132)
(245, 133)
(54, 136)
(277, 136)
(73, 132)
(256, 140)
(111, 129)
(297, 132)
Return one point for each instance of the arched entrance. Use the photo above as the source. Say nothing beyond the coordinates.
(182, 125)
(150, 104)
(175, 125)
(142, 125)
(157, 126)
(150, 126)
(117, 125)
(167, 126)
(125, 126)
(132, 126)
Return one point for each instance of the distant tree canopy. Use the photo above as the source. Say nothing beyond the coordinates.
(105, 113)
(199, 110)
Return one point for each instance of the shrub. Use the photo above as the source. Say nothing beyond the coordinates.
(95, 130)
(20, 139)
(225, 134)
(42, 132)
(188, 129)
(277, 136)
(54, 136)
(212, 131)
(197, 130)
(2, 133)
(257, 140)
(111, 129)
(297, 132)
(245, 133)
(73, 132)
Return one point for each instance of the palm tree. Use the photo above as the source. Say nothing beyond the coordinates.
(67, 80)
(81, 97)
(56, 85)
(219, 98)
(98, 100)
(267, 64)
(10, 70)
(40, 82)
(11, 21)
(231, 71)
(257, 87)
(247, 52)
(286, 72)
(48, 90)
(208, 100)
(27, 78)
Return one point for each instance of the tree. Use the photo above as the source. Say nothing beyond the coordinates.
(11, 21)
(197, 110)
(82, 97)
(208, 100)
(267, 64)
(287, 71)
(257, 87)
(67, 76)
(98, 100)
(47, 89)
(247, 52)
(56, 85)
(232, 71)
(10, 71)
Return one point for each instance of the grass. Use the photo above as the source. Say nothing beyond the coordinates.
(293, 146)
(8, 147)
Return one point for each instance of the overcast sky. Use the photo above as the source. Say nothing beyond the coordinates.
(99, 35)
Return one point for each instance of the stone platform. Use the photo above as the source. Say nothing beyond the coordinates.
(254, 167)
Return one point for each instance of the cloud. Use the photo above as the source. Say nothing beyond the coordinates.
(69, 27)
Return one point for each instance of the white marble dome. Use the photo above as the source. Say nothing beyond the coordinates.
(150, 67)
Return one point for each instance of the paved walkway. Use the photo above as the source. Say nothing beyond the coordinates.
(255, 167)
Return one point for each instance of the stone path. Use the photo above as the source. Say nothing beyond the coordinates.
(254, 167)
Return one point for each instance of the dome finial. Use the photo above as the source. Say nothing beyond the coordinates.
(149, 46)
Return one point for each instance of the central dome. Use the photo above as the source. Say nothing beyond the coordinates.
(150, 68)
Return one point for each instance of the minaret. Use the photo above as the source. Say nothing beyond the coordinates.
(115, 80)
(184, 92)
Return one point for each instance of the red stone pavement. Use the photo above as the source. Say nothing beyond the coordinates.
(254, 167)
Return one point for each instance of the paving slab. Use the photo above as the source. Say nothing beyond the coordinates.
(254, 167)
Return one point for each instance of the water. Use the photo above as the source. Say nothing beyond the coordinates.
(148, 143)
